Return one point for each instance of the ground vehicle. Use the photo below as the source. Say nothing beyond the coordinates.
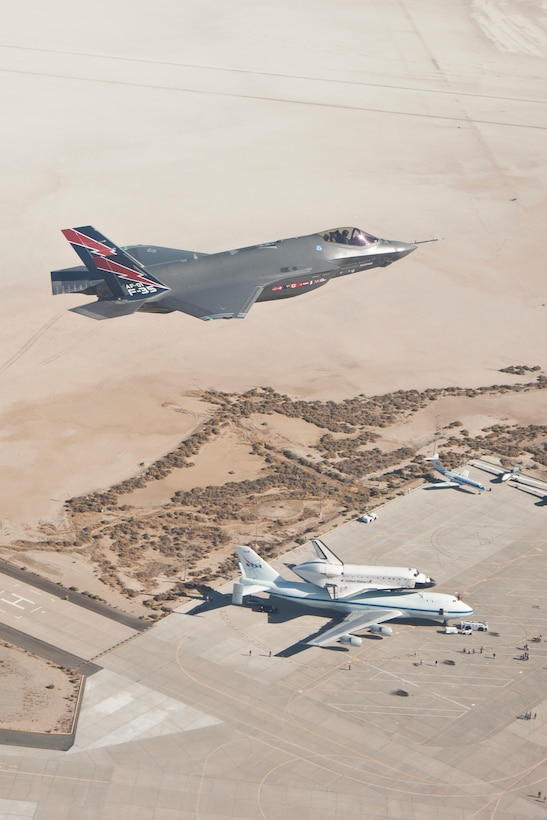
(367, 518)
(478, 626)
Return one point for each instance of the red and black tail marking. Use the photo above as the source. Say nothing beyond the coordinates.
(125, 276)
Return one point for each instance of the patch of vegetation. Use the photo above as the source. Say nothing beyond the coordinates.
(184, 541)
(520, 369)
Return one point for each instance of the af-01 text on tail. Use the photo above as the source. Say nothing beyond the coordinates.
(122, 283)
(364, 610)
(225, 285)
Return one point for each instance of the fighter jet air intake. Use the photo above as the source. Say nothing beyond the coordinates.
(222, 285)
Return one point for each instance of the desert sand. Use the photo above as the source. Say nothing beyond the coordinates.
(214, 126)
(35, 696)
(211, 128)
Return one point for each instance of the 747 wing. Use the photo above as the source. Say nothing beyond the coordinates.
(354, 622)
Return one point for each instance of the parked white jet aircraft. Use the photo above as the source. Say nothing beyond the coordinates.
(502, 475)
(455, 479)
(346, 580)
(520, 481)
(530, 485)
(364, 610)
(510, 475)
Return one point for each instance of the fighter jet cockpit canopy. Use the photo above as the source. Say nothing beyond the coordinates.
(349, 236)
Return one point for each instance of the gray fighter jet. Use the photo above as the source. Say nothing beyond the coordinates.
(217, 286)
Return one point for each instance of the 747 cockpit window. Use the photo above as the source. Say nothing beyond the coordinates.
(349, 236)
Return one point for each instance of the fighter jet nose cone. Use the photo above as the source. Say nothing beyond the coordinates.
(404, 248)
(398, 249)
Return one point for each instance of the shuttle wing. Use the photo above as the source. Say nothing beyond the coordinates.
(354, 622)
(346, 592)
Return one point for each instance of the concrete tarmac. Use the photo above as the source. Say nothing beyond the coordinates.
(201, 717)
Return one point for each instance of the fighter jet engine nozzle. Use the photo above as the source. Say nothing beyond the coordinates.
(379, 629)
(353, 640)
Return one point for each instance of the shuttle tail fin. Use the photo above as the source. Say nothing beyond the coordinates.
(324, 553)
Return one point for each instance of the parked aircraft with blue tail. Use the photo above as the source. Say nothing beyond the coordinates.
(455, 479)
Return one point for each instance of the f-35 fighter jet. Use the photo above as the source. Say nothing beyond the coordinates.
(217, 286)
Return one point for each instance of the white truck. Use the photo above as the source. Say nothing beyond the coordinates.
(473, 626)
(367, 518)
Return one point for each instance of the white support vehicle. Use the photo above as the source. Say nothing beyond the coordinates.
(474, 626)
(367, 518)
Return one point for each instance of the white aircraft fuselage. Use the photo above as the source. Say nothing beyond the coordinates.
(455, 479)
(435, 605)
(258, 576)
(356, 576)
(341, 580)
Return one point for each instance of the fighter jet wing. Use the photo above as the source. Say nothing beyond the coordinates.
(217, 301)
(368, 616)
